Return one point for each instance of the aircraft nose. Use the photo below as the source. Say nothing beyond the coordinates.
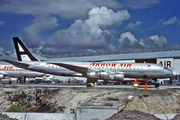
(174, 73)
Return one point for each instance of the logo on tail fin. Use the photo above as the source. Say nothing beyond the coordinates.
(23, 53)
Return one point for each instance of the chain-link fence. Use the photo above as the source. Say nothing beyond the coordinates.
(106, 52)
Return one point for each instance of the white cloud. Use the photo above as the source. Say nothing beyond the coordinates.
(155, 40)
(128, 40)
(88, 34)
(89, 31)
(83, 30)
(69, 9)
(140, 4)
(171, 21)
(132, 26)
(104, 17)
(7, 54)
(1, 23)
(32, 34)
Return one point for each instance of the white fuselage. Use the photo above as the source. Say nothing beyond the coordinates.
(15, 72)
(129, 70)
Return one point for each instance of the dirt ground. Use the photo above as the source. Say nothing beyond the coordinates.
(132, 115)
(147, 101)
(177, 117)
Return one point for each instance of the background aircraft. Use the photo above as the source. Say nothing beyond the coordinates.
(15, 72)
(91, 70)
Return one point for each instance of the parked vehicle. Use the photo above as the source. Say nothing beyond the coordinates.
(174, 81)
(31, 81)
(6, 80)
(41, 80)
(112, 82)
(57, 81)
(101, 82)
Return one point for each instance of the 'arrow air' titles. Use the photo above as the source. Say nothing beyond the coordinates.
(109, 65)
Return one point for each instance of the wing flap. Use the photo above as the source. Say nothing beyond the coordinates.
(75, 68)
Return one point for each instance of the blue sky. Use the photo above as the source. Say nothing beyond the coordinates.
(65, 26)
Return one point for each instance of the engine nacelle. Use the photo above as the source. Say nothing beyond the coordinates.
(105, 76)
(119, 77)
(92, 75)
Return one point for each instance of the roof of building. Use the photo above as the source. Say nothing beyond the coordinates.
(130, 56)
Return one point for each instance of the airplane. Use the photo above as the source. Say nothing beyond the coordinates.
(15, 72)
(91, 70)
(117, 71)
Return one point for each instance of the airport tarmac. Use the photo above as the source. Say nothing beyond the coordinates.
(161, 87)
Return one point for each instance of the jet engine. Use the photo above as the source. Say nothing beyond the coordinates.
(92, 75)
(119, 77)
(105, 76)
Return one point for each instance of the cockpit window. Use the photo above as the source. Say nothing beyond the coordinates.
(167, 68)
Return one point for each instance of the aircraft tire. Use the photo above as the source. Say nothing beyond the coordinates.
(23, 80)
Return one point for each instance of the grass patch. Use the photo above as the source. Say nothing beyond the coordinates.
(17, 109)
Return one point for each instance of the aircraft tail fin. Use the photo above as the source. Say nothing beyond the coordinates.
(22, 52)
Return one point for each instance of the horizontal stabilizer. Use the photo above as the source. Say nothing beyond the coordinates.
(17, 64)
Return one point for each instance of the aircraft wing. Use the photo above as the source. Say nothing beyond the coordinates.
(3, 73)
(16, 63)
(81, 69)
(75, 68)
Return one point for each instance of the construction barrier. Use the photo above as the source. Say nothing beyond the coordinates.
(136, 84)
(145, 86)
